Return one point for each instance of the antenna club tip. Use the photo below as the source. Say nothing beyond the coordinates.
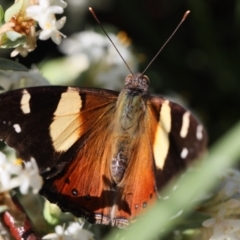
(90, 8)
(185, 15)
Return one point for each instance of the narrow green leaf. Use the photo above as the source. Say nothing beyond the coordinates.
(1, 14)
(6, 64)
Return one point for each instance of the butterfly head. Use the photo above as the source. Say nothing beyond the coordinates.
(137, 82)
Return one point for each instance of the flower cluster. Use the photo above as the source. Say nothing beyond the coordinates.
(224, 209)
(94, 54)
(19, 29)
(14, 174)
(73, 231)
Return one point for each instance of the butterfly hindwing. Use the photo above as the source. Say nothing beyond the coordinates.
(179, 138)
(170, 137)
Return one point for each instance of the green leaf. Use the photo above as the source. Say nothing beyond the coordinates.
(6, 64)
(13, 36)
(1, 14)
(63, 71)
(13, 10)
(18, 40)
(10, 80)
(51, 213)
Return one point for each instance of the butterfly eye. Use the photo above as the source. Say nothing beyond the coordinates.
(129, 78)
(145, 77)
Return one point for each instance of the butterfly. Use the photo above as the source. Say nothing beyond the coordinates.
(104, 155)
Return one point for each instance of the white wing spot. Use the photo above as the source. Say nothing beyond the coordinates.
(199, 132)
(24, 104)
(17, 128)
(161, 142)
(185, 124)
(184, 153)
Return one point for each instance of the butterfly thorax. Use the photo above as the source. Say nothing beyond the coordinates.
(131, 107)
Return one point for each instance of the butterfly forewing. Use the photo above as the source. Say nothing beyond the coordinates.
(31, 121)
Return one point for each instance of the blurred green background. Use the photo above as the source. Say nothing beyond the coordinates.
(200, 65)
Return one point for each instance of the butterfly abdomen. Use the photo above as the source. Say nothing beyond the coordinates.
(131, 108)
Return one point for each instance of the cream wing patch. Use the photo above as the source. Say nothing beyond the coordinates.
(65, 128)
(185, 124)
(24, 103)
(161, 142)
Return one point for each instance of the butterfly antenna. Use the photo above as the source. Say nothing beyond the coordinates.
(183, 19)
(95, 16)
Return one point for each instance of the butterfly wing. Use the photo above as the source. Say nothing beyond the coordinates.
(66, 131)
(170, 137)
(38, 122)
(85, 187)
(137, 190)
(179, 138)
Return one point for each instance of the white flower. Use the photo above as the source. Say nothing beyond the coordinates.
(28, 46)
(8, 169)
(44, 13)
(30, 177)
(50, 28)
(22, 50)
(45, 8)
(60, 3)
(224, 227)
(58, 235)
(224, 209)
(76, 230)
(73, 232)
(19, 30)
(106, 62)
(231, 180)
(92, 44)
